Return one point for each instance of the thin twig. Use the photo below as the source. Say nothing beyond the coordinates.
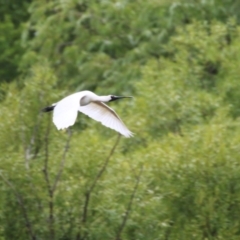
(28, 149)
(52, 188)
(90, 190)
(45, 167)
(20, 200)
(61, 167)
(128, 210)
(28, 157)
(47, 180)
(105, 164)
(101, 171)
(66, 231)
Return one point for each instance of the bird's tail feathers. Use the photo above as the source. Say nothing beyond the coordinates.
(49, 108)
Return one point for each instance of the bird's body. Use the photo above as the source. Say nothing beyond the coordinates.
(65, 111)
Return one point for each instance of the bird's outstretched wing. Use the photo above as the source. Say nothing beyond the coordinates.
(65, 112)
(107, 116)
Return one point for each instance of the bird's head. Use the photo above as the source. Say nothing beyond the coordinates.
(113, 98)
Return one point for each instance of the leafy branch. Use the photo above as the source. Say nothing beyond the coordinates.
(61, 166)
(128, 210)
(91, 188)
(52, 187)
(20, 200)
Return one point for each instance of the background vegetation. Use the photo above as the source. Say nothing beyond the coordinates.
(178, 178)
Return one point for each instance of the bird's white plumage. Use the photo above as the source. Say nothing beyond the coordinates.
(106, 115)
(66, 110)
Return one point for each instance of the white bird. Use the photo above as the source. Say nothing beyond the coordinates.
(65, 111)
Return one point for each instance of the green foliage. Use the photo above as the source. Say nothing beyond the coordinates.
(178, 177)
(99, 43)
(192, 79)
(9, 50)
(12, 14)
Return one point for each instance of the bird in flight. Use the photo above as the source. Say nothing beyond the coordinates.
(65, 111)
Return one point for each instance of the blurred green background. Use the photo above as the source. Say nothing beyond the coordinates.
(178, 178)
